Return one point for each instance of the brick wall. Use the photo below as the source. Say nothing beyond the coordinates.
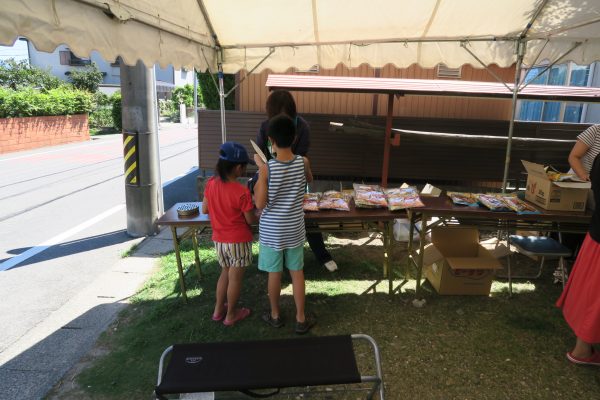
(17, 134)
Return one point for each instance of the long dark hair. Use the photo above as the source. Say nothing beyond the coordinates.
(281, 101)
(224, 168)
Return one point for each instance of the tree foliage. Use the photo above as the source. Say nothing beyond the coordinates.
(208, 94)
(17, 75)
(183, 94)
(117, 114)
(87, 78)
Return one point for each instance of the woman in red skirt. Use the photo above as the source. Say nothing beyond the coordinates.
(580, 301)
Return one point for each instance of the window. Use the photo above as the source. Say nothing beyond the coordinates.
(553, 111)
(68, 58)
(446, 72)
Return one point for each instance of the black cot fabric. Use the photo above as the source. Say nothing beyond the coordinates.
(211, 367)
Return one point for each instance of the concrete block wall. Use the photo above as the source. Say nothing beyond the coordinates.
(18, 134)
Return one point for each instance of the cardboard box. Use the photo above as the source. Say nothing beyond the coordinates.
(558, 196)
(455, 262)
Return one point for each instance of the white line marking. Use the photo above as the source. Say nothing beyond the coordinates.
(14, 261)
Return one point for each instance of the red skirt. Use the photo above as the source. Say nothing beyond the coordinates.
(580, 301)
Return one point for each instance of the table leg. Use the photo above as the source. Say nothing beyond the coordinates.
(386, 257)
(421, 255)
(179, 266)
(196, 253)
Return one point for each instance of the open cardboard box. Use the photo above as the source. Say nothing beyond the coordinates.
(558, 196)
(455, 263)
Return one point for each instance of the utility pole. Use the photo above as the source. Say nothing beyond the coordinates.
(143, 192)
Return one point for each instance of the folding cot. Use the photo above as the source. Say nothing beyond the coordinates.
(304, 364)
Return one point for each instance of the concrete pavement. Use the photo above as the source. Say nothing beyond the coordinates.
(38, 360)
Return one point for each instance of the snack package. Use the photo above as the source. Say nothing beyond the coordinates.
(311, 201)
(493, 202)
(404, 197)
(333, 200)
(369, 196)
(464, 199)
(519, 206)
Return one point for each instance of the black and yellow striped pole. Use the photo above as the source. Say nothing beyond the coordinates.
(130, 152)
(143, 192)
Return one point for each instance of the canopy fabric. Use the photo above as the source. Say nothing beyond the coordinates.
(302, 33)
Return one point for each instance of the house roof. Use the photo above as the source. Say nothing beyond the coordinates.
(432, 87)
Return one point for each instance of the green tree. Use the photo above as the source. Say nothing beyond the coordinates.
(183, 94)
(208, 94)
(117, 114)
(87, 78)
(17, 75)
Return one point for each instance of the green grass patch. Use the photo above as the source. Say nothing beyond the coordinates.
(456, 347)
(103, 131)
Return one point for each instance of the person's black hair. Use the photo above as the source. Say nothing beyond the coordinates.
(224, 168)
(282, 130)
(281, 101)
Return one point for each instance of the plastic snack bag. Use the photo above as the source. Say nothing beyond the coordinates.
(333, 200)
(311, 201)
(404, 197)
(369, 196)
(493, 202)
(464, 199)
(519, 206)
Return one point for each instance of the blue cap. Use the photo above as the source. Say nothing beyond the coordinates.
(233, 152)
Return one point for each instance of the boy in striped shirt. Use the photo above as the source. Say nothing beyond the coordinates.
(279, 191)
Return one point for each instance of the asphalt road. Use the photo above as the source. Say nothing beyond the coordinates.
(62, 226)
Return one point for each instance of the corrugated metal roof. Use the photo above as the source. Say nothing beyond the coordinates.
(431, 87)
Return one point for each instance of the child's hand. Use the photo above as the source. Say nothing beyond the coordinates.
(259, 162)
(258, 212)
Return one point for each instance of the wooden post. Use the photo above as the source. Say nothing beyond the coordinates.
(386, 141)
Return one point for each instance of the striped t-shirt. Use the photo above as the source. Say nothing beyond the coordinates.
(282, 221)
(591, 137)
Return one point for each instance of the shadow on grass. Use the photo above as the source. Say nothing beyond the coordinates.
(454, 347)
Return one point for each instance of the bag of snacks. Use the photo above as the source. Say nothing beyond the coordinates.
(369, 196)
(311, 201)
(464, 199)
(519, 206)
(404, 197)
(333, 200)
(493, 202)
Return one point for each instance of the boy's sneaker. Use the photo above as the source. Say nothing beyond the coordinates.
(274, 322)
(331, 265)
(304, 327)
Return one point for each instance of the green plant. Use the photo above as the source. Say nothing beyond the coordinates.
(183, 94)
(17, 75)
(30, 102)
(87, 78)
(208, 93)
(117, 116)
(101, 115)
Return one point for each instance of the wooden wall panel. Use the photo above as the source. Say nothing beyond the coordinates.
(359, 157)
(253, 95)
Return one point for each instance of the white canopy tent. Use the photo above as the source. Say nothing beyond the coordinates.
(229, 35)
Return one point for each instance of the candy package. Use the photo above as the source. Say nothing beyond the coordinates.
(311, 201)
(369, 196)
(464, 199)
(493, 202)
(404, 197)
(333, 200)
(519, 206)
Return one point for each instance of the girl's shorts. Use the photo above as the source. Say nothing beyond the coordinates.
(234, 254)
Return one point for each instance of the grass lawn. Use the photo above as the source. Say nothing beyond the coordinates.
(454, 348)
(103, 131)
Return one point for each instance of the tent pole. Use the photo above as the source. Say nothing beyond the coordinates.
(195, 96)
(386, 141)
(222, 103)
(520, 54)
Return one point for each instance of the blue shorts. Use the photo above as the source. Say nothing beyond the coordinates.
(271, 260)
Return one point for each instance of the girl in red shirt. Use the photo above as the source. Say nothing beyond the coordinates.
(231, 211)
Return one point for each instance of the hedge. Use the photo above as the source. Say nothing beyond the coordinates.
(29, 102)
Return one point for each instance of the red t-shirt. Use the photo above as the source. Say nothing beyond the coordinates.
(227, 202)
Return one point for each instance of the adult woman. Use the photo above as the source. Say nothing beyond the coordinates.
(281, 101)
(580, 300)
(583, 154)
